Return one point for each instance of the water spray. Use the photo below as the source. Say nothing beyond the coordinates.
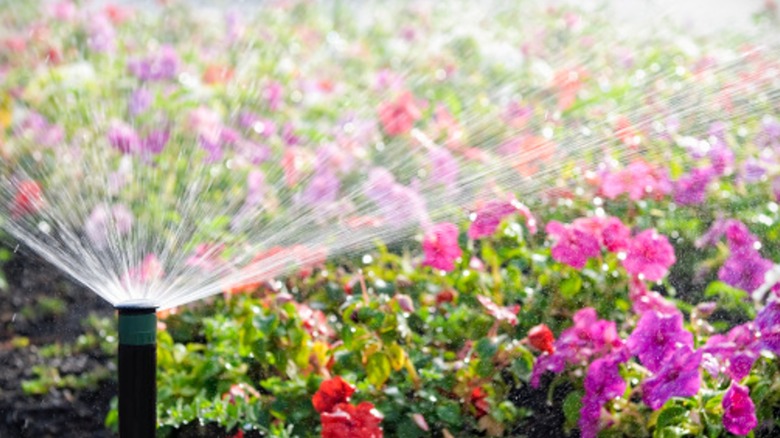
(137, 369)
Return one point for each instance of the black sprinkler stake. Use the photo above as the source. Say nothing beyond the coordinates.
(137, 372)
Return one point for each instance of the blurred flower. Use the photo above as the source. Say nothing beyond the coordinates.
(478, 399)
(331, 393)
(608, 231)
(542, 338)
(691, 189)
(405, 302)
(500, 313)
(587, 339)
(106, 223)
(769, 137)
(123, 137)
(768, 324)
(274, 95)
(206, 257)
(444, 167)
(657, 336)
(155, 142)
(573, 246)
(649, 256)
(346, 420)
(323, 188)
(148, 271)
(678, 376)
(637, 180)
(489, 216)
(314, 322)
(735, 352)
(101, 34)
(398, 117)
(644, 300)
(158, 66)
(27, 200)
(603, 383)
(744, 270)
(739, 412)
(140, 100)
(441, 246)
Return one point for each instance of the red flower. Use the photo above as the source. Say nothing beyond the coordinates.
(28, 199)
(501, 313)
(348, 421)
(445, 296)
(398, 117)
(479, 400)
(542, 338)
(331, 393)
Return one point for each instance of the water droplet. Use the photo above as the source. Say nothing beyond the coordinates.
(367, 259)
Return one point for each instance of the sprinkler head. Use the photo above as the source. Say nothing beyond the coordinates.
(137, 370)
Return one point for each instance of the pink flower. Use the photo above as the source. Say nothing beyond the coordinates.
(649, 256)
(573, 246)
(490, 215)
(398, 117)
(441, 246)
(739, 412)
(105, 223)
(609, 231)
(644, 300)
(501, 313)
(123, 137)
(637, 180)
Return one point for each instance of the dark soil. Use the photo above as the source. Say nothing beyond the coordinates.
(41, 304)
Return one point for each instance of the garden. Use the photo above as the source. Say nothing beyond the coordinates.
(412, 219)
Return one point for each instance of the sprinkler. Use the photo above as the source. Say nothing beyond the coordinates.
(137, 369)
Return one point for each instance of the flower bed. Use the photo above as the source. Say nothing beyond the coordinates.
(564, 245)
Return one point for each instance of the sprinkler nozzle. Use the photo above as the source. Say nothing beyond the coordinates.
(137, 371)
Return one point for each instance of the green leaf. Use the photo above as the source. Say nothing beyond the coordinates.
(397, 356)
(571, 408)
(378, 369)
(571, 286)
(671, 416)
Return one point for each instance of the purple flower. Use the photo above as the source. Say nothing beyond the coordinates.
(770, 133)
(123, 137)
(753, 170)
(649, 256)
(139, 101)
(444, 167)
(721, 158)
(489, 217)
(739, 412)
(155, 141)
(323, 188)
(589, 338)
(399, 205)
(644, 300)
(602, 383)
(768, 324)
(678, 377)
(102, 36)
(733, 353)
(274, 94)
(105, 223)
(573, 246)
(159, 66)
(692, 188)
(657, 336)
(739, 237)
(744, 270)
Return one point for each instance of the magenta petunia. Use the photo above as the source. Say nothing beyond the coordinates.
(768, 325)
(691, 189)
(644, 300)
(649, 256)
(587, 339)
(679, 376)
(733, 353)
(489, 217)
(739, 412)
(657, 336)
(441, 246)
(603, 382)
(745, 270)
(572, 246)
